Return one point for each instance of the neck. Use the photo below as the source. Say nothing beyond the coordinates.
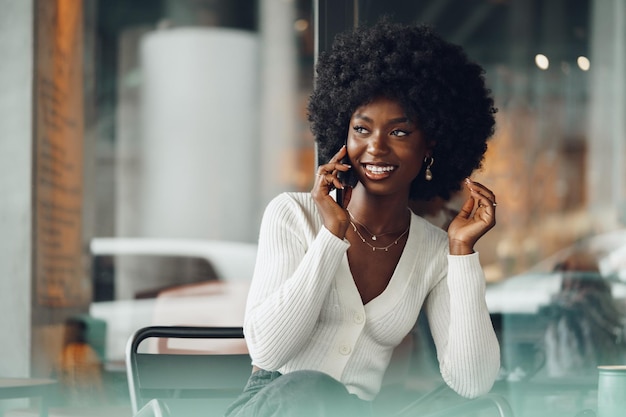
(379, 213)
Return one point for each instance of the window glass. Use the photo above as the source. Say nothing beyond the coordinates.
(201, 119)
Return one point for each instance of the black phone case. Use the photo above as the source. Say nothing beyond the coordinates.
(347, 178)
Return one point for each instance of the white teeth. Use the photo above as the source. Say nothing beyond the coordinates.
(379, 169)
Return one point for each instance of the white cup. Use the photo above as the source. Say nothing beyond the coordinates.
(612, 391)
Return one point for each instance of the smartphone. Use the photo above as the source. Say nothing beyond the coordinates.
(347, 178)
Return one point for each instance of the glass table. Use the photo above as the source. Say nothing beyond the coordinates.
(28, 388)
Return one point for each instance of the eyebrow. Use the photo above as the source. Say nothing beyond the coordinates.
(402, 119)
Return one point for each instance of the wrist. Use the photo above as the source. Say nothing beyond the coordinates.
(338, 229)
(460, 248)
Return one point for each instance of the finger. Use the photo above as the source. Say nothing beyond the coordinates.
(339, 155)
(327, 176)
(332, 167)
(336, 182)
(476, 185)
(485, 197)
(325, 180)
(327, 173)
(466, 209)
(482, 202)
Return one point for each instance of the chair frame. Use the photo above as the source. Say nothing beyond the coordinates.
(150, 397)
(144, 370)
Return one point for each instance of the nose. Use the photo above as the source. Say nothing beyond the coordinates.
(377, 144)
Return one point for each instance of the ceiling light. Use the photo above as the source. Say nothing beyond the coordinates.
(542, 61)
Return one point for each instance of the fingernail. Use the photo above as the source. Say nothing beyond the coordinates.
(347, 165)
(468, 181)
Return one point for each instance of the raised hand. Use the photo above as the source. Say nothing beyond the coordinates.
(477, 217)
(336, 219)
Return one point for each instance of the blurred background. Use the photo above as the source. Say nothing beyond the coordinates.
(163, 150)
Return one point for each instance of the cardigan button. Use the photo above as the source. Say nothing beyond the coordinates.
(345, 349)
(358, 318)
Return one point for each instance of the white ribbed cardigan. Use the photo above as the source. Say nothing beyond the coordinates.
(304, 310)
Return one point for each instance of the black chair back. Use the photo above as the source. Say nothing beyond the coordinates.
(205, 382)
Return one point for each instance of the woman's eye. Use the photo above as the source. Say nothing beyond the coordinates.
(359, 129)
(399, 133)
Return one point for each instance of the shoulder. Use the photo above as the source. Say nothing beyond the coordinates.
(292, 216)
(293, 207)
(292, 202)
(430, 233)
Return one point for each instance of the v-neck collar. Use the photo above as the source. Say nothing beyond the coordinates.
(400, 278)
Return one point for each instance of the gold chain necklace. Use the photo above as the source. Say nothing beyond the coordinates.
(375, 248)
(374, 236)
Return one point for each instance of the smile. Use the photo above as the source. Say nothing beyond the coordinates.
(377, 169)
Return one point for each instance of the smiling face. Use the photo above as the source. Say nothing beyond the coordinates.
(386, 147)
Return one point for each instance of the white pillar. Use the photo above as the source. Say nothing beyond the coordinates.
(199, 134)
(127, 152)
(16, 150)
(606, 184)
(279, 100)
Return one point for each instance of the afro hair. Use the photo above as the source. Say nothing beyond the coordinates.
(433, 80)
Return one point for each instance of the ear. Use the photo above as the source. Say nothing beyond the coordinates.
(430, 147)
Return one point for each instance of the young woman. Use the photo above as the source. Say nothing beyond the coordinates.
(338, 286)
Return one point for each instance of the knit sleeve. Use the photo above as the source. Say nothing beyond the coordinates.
(467, 347)
(292, 278)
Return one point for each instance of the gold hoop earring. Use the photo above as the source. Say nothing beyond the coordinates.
(429, 161)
